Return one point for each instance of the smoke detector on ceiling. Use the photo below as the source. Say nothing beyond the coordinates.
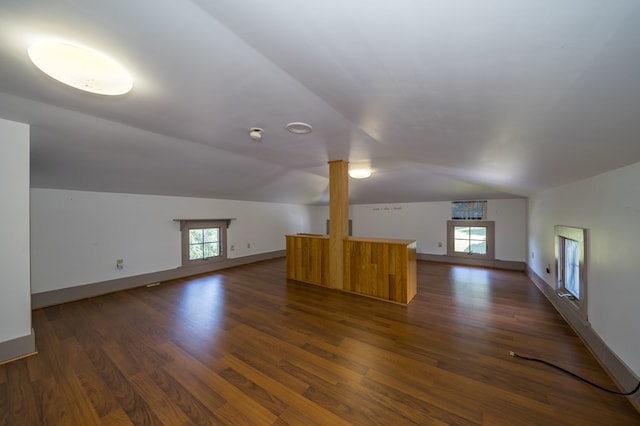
(255, 133)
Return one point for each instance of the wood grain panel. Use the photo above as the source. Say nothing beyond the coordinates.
(381, 268)
(338, 220)
(412, 274)
(308, 258)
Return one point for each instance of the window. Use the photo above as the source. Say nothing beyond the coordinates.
(203, 241)
(470, 238)
(469, 210)
(571, 266)
(571, 279)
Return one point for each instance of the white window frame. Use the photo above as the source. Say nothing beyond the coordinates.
(488, 224)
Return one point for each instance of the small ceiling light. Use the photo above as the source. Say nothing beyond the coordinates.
(298, 128)
(80, 67)
(360, 173)
(255, 133)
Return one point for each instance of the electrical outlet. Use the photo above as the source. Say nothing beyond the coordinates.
(120, 263)
(233, 247)
(440, 244)
(248, 245)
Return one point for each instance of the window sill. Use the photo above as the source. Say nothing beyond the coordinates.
(572, 307)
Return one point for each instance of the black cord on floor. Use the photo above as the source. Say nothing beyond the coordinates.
(575, 375)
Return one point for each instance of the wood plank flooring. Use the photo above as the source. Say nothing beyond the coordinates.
(244, 346)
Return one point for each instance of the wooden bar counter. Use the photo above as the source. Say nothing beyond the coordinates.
(375, 267)
(308, 258)
(381, 267)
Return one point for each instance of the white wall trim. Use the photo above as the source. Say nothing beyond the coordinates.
(70, 294)
(617, 369)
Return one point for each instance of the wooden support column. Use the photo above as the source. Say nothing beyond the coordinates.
(338, 220)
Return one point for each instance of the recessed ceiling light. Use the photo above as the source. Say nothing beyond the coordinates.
(80, 67)
(298, 128)
(360, 173)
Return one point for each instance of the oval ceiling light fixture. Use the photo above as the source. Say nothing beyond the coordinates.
(360, 173)
(80, 67)
(298, 128)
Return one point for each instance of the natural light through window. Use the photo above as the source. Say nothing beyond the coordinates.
(470, 239)
(571, 261)
(204, 243)
(572, 267)
(469, 210)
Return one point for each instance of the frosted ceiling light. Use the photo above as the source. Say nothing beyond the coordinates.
(80, 67)
(360, 173)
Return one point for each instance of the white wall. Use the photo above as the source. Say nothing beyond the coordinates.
(15, 292)
(609, 207)
(77, 236)
(427, 224)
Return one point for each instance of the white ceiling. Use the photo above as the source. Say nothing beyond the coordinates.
(446, 99)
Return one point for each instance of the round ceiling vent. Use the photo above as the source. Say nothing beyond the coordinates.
(298, 128)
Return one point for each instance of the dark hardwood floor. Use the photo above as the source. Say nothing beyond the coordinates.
(244, 346)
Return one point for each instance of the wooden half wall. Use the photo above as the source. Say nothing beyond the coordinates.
(375, 267)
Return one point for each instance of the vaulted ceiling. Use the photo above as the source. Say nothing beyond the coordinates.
(444, 99)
